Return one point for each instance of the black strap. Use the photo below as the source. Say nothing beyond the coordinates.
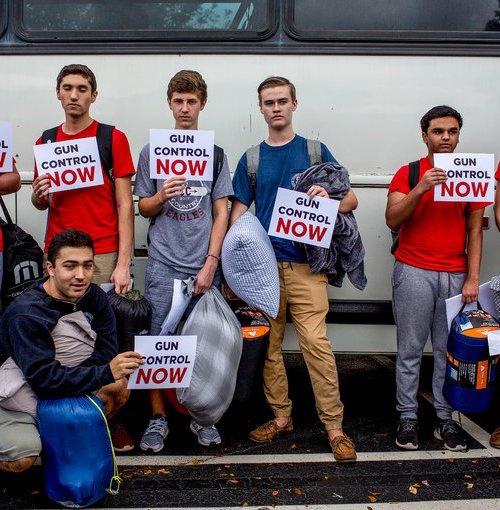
(6, 211)
(479, 307)
(104, 136)
(414, 173)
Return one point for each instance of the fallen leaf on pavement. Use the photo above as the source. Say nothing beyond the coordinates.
(413, 490)
(297, 491)
(276, 492)
(425, 483)
(372, 499)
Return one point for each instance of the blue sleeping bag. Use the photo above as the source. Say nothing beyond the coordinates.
(77, 454)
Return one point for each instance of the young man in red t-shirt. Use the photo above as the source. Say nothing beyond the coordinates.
(438, 256)
(105, 212)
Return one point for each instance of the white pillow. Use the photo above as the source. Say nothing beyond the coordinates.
(250, 266)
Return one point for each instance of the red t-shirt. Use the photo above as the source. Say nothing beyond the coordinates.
(497, 173)
(435, 235)
(92, 210)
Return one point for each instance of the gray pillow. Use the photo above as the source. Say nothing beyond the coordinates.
(250, 266)
(218, 352)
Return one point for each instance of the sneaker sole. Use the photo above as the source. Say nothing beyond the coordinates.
(149, 449)
(458, 448)
(344, 460)
(124, 449)
(406, 446)
(200, 442)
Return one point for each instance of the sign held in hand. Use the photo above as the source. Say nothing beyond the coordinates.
(72, 164)
(298, 217)
(168, 363)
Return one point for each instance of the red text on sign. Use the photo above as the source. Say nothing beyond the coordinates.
(180, 167)
(69, 176)
(464, 189)
(301, 229)
(160, 375)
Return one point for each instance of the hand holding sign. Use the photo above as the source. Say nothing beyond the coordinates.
(172, 187)
(431, 178)
(124, 364)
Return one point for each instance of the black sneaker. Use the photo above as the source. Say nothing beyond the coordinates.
(407, 437)
(451, 434)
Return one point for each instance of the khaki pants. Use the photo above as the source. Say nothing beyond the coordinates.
(306, 295)
(104, 265)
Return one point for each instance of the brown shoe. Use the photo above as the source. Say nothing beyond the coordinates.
(269, 431)
(343, 449)
(495, 438)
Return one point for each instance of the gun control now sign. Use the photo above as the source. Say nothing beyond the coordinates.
(298, 217)
(179, 152)
(471, 178)
(168, 363)
(6, 147)
(71, 164)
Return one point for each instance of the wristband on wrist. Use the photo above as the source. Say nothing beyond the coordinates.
(212, 255)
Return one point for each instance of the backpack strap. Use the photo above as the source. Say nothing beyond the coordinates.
(314, 152)
(414, 173)
(218, 163)
(104, 137)
(253, 159)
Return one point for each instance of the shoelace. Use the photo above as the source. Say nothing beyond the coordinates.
(450, 427)
(157, 425)
(408, 425)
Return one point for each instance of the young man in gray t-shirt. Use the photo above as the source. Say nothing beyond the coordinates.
(185, 239)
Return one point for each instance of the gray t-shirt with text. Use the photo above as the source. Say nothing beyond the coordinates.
(180, 234)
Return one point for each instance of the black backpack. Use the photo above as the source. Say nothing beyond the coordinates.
(413, 176)
(22, 259)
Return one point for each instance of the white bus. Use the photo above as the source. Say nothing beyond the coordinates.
(365, 72)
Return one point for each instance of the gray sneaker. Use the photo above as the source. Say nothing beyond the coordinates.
(154, 437)
(206, 435)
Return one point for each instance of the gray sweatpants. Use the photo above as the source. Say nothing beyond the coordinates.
(159, 290)
(419, 309)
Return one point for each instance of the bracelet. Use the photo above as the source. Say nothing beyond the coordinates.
(212, 255)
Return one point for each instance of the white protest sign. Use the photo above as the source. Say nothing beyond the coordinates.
(6, 139)
(70, 165)
(471, 178)
(179, 152)
(298, 217)
(168, 363)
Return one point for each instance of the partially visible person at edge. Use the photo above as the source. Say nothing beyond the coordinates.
(10, 182)
(438, 256)
(28, 341)
(495, 435)
(105, 212)
(282, 155)
(190, 221)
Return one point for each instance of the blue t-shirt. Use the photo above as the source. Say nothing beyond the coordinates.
(278, 168)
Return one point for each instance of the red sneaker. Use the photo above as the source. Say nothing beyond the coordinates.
(122, 442)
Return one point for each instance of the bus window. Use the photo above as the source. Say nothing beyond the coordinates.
(143, 19)
(389, 19)
(3, 17)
